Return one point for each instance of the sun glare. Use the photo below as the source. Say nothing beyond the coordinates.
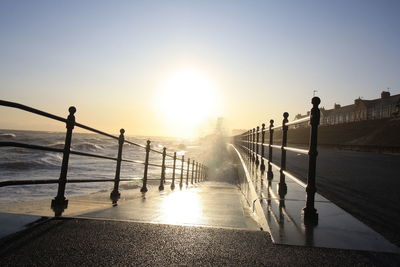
(186, 99)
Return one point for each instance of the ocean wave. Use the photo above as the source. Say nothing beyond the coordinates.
(88, 147)
(57, 145)
(8, 135)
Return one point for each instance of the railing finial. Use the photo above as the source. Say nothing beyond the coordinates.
(315, 101)
(285, 115)
(72, 110)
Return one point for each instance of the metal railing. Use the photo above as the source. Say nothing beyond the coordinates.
(249, 143)
(198, 171)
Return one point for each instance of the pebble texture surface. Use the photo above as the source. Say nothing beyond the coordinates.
(73, 242)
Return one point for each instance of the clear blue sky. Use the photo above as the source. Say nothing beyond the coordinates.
(109, 58)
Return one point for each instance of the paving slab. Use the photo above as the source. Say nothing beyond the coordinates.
(12, 223)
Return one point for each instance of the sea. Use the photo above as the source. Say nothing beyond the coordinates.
(28, 164)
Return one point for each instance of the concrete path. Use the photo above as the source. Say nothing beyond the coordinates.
(206, 204)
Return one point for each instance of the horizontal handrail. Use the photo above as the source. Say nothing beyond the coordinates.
(135, 144)
(277, 127)
(60, 150)
(298, 121)
(55, 181)
(36, 147)
(95, 130)
(151, 149)
(287, 148)
(297, 150)
(290, 175)
(55, 117)
(294, 178)
(32, 110)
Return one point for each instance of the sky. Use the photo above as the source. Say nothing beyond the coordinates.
(170, 68)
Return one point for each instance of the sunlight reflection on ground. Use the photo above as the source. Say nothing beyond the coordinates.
(182, 207)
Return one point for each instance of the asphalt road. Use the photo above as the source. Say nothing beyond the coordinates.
(111, 243)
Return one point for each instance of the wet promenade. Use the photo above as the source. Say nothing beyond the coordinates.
(205, 224)
(335, 228)
(210, 204)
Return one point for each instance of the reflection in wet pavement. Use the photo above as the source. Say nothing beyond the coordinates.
(206, 204)
(335, 227)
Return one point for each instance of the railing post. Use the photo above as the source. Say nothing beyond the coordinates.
(60, 203)
(262, 166)
(146, 167)
(173, 173)
(197, 173)
(187, 172)
(201, 172)
(191, 181)
(253, 145)
(181, 180)
(162, 179)
(257, 140)
(115, 194)
(309, 212)
(250, 146)
(282, 183)
(270, 174)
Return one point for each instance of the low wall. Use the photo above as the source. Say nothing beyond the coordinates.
(372, 136)
(246, 186)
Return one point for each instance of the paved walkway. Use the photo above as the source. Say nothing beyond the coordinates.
(206, 204)
(205, 224)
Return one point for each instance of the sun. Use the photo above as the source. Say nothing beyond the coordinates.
(186, 99)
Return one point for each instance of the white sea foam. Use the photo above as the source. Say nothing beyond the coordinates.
(7, 135)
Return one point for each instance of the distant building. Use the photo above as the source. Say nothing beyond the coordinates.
(384, 107)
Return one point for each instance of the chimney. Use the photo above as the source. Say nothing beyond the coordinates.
(336, 106)
(385, 94)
